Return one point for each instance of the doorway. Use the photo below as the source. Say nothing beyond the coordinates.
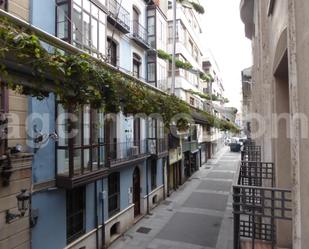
(136, 192)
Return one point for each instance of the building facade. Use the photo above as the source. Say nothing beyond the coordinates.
(86, 190)
(278, 31)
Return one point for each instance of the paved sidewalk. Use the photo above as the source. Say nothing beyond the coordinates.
(197, 216)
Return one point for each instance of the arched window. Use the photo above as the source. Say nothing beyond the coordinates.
(113, 193)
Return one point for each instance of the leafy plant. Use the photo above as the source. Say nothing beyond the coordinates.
(78, 79)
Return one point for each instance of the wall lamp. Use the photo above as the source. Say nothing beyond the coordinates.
(23, 201)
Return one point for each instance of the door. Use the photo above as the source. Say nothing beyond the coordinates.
(135, 21)
(110, 139)
(136, 192)
(137, 133)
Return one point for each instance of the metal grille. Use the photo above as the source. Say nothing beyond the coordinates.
(255, 212)
(257, 174)
(251, 153)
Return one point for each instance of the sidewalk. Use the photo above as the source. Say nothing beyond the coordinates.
(198, 215)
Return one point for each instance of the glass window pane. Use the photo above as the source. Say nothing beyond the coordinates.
(86, 5)
(94, 33)
(86, 125)
(87, 163)
(151, 72)
(94, 11)
(102, 38)
(63, 161)
(77, 24)
(79, 2)
(86, 29)
(62, 21)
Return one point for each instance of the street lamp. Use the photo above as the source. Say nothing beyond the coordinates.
(185, 4)
(23, 201)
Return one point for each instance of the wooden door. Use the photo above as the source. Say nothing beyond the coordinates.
(136, 192)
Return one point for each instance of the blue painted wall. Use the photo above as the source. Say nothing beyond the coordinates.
(42, 15)
(50, 230)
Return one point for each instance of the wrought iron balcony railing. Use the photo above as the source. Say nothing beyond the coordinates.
(140, 34)
(257, 204)
(93, 162)
(189, 146)
(157, 146)
(118, 16)
(251, 153)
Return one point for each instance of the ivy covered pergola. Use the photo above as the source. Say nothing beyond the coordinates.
(35, 63)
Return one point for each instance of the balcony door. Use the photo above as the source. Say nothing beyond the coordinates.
(137, 133)
(136, 192)
(110, 139)
(135, 21)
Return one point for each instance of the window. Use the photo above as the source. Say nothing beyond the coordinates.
(82, 23)
(137, 61)
(151, 72)
(153, 174)
(151, 24)
(112, 52)
(75, 213)
(113, 193)
(170, 4)
(84, 142)
(135, 21)
(191, 101)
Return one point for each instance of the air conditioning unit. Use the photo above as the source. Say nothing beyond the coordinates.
(134, 150)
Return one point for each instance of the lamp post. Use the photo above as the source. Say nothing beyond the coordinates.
(23, 201)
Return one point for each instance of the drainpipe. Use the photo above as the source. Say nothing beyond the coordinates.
(147, 188)
(168, 176)
(163, 176)
(96, 214)
(103, 224)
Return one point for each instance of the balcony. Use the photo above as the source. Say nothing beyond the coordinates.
(90, 164)
(258, 207)
(158, 147)
(140, 35)
(118, 16)
(191, 146)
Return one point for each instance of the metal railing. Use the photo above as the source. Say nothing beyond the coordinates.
(157, 146)
(251, 153)
(121, 15)
(257, 205)
(189, 146)
(119, 152)
(256, 174)
(140, 32)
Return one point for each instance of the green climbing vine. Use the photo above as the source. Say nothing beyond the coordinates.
(79, 79)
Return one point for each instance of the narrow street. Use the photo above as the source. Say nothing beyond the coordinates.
(198, 215)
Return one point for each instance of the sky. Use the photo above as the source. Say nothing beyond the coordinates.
(223, 33)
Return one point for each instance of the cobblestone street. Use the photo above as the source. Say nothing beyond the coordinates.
(198, 215)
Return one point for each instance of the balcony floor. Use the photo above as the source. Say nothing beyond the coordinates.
(247, 244)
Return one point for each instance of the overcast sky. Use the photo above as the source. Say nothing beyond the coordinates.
(224, 36)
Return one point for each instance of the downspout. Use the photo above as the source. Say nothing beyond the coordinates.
(147, 187)
(96, 214)
(103, 224)
(168, 176)
(163, 176)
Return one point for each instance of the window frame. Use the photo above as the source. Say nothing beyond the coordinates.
(153, 174)
(76, 194)
(136, 63)
(88, 46)
(113, 184)
(95, 145)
